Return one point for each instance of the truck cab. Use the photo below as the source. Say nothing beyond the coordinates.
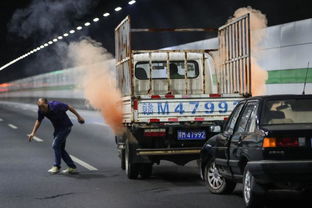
(168, 74)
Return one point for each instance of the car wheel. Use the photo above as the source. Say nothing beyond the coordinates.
(216, 183)
(132, 170)
(251, 198)
(146, 170)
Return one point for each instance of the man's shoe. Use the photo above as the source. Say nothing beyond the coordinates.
(70, 171)
(54, 170)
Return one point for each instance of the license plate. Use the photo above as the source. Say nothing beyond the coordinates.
(191, 135)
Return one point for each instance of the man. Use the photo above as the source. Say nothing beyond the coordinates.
(56, 113)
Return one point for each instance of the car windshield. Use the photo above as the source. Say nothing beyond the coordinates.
(287, 111)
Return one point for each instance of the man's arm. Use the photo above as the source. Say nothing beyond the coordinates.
(73, 110)
(36, 127)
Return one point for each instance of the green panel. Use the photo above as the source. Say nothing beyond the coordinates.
(288, 76)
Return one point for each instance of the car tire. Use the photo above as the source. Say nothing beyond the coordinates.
(131, 168)
(215, 182)
(146, 171)
(251, 198)
(122, 159)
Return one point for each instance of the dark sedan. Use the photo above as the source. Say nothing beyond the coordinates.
(265, 144)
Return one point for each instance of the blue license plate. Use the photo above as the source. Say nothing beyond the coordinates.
(191, 135)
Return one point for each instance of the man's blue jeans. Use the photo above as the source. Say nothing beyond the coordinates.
(59, 147)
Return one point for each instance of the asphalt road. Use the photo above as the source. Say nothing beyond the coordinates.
(25, 182)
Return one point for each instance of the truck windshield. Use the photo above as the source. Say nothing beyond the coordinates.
(287, 111)
(159, 70)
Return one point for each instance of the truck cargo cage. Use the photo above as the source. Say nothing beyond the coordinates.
(234, 72)
(233, 69)
(126, 69)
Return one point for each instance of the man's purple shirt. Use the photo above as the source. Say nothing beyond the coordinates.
(57, 115)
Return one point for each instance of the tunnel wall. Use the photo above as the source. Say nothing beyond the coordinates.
(285, 53)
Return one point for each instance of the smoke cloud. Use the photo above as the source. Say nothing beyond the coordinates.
(258, 23)
(48, 17)
(98, 80)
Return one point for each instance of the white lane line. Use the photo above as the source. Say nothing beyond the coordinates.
(12, 126)
(1, 119)
(37, 139)
(83, 164)
(34, 110)
(99, 123)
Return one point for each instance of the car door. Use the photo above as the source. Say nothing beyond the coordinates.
(243, 134)
(222, 140)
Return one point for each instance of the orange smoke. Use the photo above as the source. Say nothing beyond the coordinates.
(98, 80)
(258, 23)
(5, 85)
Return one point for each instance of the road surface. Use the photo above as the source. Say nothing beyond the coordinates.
(25, 182)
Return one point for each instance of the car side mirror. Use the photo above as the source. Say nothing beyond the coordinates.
(215, 129)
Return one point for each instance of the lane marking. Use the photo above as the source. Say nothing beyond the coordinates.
(37, 139)
(1, 119)
(99, 123)
(12, 126)
(83, 164)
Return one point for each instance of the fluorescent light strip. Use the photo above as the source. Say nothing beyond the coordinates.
(96, 19)
(117, 9)
(106, 14)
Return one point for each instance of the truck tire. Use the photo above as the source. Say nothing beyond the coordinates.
(123, 160)
(146, 170)
(215, 182)
(132, 169)
(251, 198)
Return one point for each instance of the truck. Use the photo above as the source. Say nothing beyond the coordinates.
(174, 100)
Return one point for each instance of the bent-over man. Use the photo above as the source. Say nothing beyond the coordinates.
(56, 113)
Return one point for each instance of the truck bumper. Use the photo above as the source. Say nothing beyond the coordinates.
(168, 151)
(299, 171)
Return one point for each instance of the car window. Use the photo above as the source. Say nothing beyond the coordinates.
(287, 111)
(232, 121)
(252, 122)
(243, 121)
(159, 70)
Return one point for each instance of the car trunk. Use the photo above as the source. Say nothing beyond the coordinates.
(292, 142)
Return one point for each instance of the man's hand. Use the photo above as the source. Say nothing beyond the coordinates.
(30, 137)
(81, 120)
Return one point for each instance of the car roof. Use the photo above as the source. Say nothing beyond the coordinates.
(282, 96)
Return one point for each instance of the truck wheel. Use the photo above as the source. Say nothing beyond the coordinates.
(251, 198)
(123, 160)
(216, 183)
(132, 170)
(146, 170)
